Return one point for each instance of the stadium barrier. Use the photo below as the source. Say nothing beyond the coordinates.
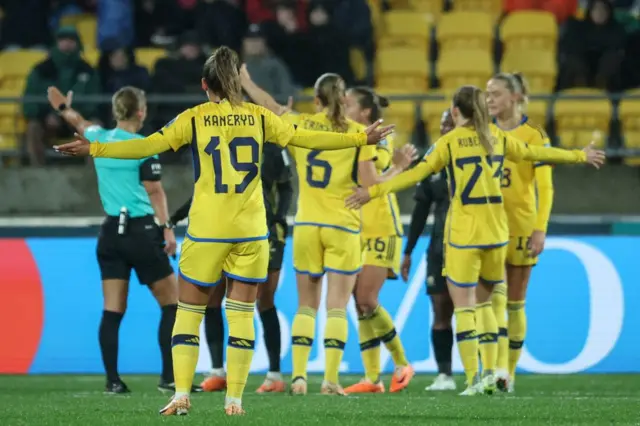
(583, 309)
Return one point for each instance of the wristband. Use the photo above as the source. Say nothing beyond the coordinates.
(61, 108)
(168, 225)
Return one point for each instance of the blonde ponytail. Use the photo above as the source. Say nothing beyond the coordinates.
(330, 90)
(481, 120)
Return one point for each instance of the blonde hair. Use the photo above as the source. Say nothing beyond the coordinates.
(330, 90)
(127, 102)
(515, 83)
(221, 73)
(472, 103)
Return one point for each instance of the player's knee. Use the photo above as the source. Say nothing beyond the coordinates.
(366, 303)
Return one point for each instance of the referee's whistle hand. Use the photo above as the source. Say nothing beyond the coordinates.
(77, 148)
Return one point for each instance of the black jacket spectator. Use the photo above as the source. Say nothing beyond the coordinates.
(220, 23)
(591, 50)
(118, 68)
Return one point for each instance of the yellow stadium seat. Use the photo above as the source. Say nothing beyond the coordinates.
(358, 63)
(147, 57)
(629, 114)
(531, 29)
(580, 121)
(432, 114)
(402, 69)
(16, 65)
(539, 68)
(464, 67)
(399, 4)
(9, 142)
(403, 115)
(92, 56)
(72, 20)
(465, 30)
(12, 123)
(537, 112)
(375, 6)
(88, 32)
(493, 7)
(406, 28)
(306, 106)
(433, 9)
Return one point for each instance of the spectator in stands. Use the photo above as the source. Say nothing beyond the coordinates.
(221, 23)
(591, 50)
(259, 11)
(269, 72)
(115, 22)
(156, 22)
(117, 68)
(65, 69)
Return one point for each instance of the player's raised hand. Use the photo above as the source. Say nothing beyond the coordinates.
(403, 157)
(285, 109)
(359, 198)
(595, 157)
(375, 133)
(57, 99)
(245, 77)
(77, 148)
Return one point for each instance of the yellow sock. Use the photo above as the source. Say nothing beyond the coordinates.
(302, 331)
(185, 343)
(386, 332)
(517, 332)
(369, 349)
(335, 338)
(242, 336)
(499, 303)
(467, 342)
(487, 336)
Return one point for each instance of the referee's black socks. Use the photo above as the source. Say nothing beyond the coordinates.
(214, 331)
(108, 336)
(442, 341)
(167, 320)
(271, 328)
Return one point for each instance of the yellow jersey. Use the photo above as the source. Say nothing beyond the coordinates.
(226, 142)
(381, 217)
(521, 182)
(326, 178)
(476, 218)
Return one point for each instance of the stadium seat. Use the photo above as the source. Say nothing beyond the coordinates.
(493, 7)
(433, 9)
(531, 29)
(463, 67)
(465, 30)
(403, 115)
(375, 6)
(72, 20)
(539, 67)
(12, 123)
(406, 28)
(537, 112)
(306, 106)
(579, 121)
(16, 65)
(629, 114)
(432, 114)
(148, 56)
(92, 56)
(88, 30)
(402, 69)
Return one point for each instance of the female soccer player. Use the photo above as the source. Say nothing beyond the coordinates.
(227, 227)
(527, 189)
(382, 235)
(132, 195)
(327, 234)
(477, 232)
(433, 190)
(278, 193)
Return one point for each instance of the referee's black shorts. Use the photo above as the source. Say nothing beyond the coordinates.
(436, 283)
(140, 249)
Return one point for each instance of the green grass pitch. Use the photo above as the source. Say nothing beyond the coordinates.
(540, 400)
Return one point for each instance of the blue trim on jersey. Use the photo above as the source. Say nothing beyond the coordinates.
(226, 240)
(315, 275)
(457, 284)
(393, 215)
(540, 165)
(324, 225)
(492, 282)
(338, 271)
(523, 120)
(245, 279)
(487, 246)
(196, 282)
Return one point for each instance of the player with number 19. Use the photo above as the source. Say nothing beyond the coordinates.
(227, 227)
(477, 231)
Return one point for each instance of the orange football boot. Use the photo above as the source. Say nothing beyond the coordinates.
(366, 386)
(401, 378)
(275, 386)
(214, 384)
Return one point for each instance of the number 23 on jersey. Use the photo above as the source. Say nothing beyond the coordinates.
(495, 162)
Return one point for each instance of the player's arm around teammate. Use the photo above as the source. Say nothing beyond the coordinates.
(527, 189)
(128, 237)
(382, 236)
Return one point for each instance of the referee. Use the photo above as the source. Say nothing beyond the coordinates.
(131, 194)
(434, 191)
